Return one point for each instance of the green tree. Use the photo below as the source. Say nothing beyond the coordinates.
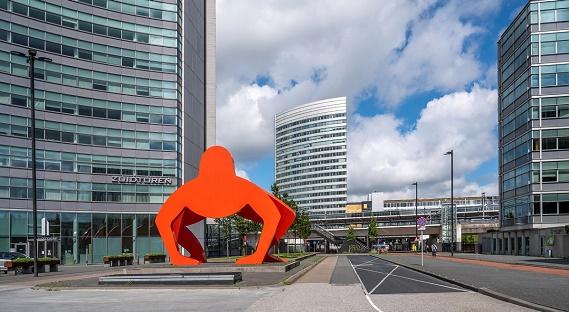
(350, 237)
(304, 227)
(289, 202)
(225, 228)
(244, 226)
(372, 230)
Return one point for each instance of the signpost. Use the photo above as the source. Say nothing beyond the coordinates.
(422, 223)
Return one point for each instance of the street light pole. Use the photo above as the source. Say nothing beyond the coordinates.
(451, 153)
(416, 215)
(31, 56)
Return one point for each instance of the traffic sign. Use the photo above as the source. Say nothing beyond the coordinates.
(422, 223)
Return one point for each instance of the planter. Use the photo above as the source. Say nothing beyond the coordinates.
(53, 267)
(118, 260)
(154, 258)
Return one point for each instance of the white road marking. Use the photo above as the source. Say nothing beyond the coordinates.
(364, 288)
(412, 279)
(383, 280)
(366, 263)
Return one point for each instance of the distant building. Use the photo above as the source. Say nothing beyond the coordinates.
(311, 156)
(533, 81)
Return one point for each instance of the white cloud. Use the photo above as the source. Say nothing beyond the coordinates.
(241, 173)
(398, 48)
(383, 158)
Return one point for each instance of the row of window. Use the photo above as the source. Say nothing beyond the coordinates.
(550, 76)
(302, 171)
(146, 8)
(515, 120)
(314, 138)
(342, 121)
(516, 208)
(310, 152)
(549, 12)
(17, 188)
(87, 158)
(554, 43)
(307, 120)
(83, 78)
(312, 145)
(515, 178)
(517, 148)
(517, 28)
(323, 200)
(69, 224)
(311, 157)
(310, 164)
(310, 176)
(60, 103)
(551, 108)
(292, 186)
(314, 188)
(70, 133)
(91, 23)
(85, 50)
(514, 91)
(514, 62)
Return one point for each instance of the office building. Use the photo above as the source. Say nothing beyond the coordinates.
(533, 81)
(310, 156)
(121, 120)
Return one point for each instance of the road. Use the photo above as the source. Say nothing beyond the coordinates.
(390, 287)
(339, 283)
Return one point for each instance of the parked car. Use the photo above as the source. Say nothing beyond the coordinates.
(9, 256)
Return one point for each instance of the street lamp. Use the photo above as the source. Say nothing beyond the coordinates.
(451, 153)
(31, 56)
(416, 204)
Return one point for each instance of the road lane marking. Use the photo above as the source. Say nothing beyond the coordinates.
(366, 263)
(413, 279)
(364, 287)
(383, 280)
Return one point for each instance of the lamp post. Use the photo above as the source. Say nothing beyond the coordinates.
(416, 215)
(451, 153)
(31, 56)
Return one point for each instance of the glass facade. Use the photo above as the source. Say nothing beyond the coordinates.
(109, 100)
(533, 70)
(310, 156)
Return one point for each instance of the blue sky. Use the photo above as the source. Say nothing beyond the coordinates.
(271, 70)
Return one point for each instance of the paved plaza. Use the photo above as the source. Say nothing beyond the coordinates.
(338, 283)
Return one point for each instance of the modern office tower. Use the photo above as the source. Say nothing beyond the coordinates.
(533, 77)
(121, 119)
(310, 156)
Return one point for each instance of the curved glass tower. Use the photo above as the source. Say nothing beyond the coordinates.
(120, 120)
(310, 156)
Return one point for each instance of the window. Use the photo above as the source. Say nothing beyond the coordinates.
(549, 143)
(549, 208)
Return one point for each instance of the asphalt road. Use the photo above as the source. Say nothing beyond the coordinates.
(381, 277)
(389, 287)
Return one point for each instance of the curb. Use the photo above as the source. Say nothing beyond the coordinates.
(484, 291)
(291, 279)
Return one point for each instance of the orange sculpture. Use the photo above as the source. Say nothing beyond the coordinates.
(217, 193)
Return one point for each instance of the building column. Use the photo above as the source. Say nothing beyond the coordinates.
(134, 249)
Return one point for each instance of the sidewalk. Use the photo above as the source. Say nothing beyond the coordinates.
(546, 287)
(556, 263)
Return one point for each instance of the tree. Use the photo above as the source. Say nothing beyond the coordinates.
(244, 226)
(225, 226)
(304, 227)
(350, 237)
(289, 202)
(373, 230)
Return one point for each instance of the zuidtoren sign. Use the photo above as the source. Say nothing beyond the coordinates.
(141, 180)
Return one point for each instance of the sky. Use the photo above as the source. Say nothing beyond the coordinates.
(419, 75)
